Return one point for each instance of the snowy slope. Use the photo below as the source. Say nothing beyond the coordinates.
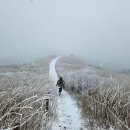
(68, 113)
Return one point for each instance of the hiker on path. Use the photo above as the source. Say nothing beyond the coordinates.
(60, 83)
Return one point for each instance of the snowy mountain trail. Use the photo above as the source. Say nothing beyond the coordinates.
(68, 113)
(52, 71)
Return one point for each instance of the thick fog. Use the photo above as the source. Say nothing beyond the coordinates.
(97, 30)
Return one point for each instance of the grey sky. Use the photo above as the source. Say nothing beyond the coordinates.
(98, 30)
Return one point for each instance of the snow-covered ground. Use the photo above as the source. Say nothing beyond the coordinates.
(68, 113)
(52, 72)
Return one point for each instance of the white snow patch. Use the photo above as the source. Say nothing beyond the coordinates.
(68, 114)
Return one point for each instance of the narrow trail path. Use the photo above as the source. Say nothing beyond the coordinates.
(68, 113)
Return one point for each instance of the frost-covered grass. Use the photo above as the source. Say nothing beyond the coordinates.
(104, 97)
(24, 91)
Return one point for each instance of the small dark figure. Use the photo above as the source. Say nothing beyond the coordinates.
(47, 104)
(60, 84)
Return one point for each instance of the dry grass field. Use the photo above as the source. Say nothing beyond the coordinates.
(24, 94)
(104, 97)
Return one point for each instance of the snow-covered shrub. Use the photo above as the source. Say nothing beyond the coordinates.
(103, 96)
(24, 95)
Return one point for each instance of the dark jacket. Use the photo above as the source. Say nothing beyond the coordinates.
(60, 82)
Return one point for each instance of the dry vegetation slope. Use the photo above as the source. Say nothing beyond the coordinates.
(104, 97)
(23, 93)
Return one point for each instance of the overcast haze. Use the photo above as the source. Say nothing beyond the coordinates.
(98, 30)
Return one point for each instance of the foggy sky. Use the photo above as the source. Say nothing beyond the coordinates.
(97, 30)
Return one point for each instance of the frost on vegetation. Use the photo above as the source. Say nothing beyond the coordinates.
(23, 98)
(104, 97)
